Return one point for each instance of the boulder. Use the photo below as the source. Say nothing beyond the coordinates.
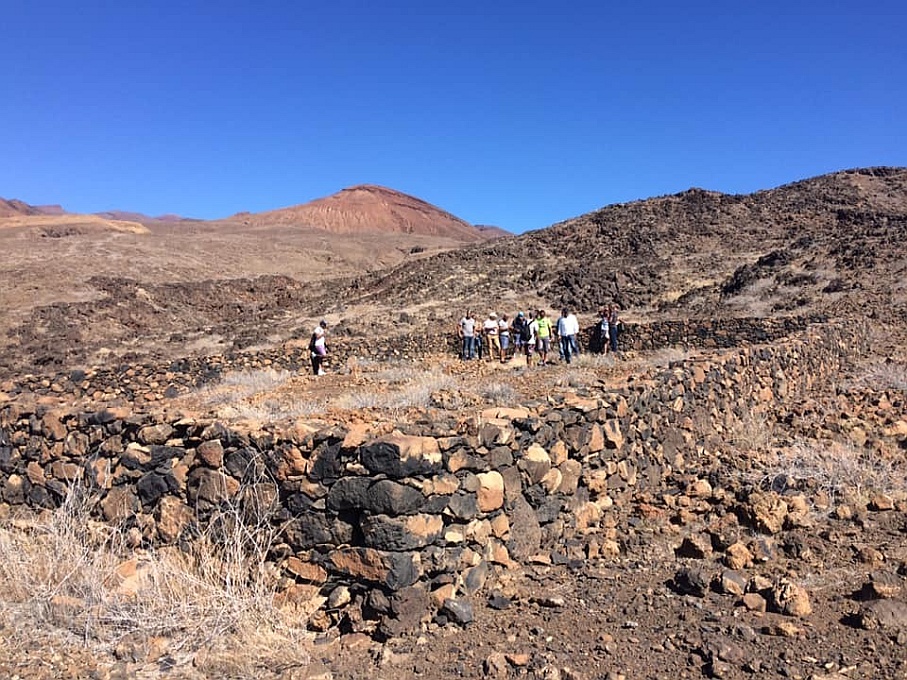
(389, 569)
(399, 456)
(490, 494)
(401, 533)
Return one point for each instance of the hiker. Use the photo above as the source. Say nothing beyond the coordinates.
(543, 335)
(613, 326)
(504, 335)
(520, 330)
(602, 331)
(467, 332)
(567, 330)
(532, 340)
(317, 347)
(492, 341)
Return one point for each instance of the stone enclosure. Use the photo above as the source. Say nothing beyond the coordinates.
(388, 527)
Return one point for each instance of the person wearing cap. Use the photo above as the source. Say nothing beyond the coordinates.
(318, 348)
(492, 340)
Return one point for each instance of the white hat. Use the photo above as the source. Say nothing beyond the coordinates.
(493, 315)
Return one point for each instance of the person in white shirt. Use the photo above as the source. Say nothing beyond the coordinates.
(567, 330)
(504, 335)
(466, 329)
(317, 348)
(492, 341)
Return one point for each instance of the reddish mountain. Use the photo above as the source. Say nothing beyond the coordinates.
(372, 209)
(55, 209)
(14, 207)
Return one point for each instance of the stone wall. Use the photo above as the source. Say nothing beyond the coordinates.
(410, 520)
(151, 381)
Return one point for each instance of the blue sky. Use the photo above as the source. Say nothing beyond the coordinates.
(518, 114)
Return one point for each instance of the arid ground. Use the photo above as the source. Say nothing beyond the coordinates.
(778, 548)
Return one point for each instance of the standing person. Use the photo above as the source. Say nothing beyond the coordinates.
(604, 330)
(532, 341)
(567, 329)
(544, 332)
(520, 331)
(492, 341)
(614, 326)
(318, 348)
(504, 335)
(467, 332)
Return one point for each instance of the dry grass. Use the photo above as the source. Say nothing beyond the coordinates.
(269, 410)
(884, 375)
(63, 574)
(398, 388)
(500, 394)
(750, 432)
(844, 472)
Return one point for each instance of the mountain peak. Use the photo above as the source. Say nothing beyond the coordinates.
(371, 208)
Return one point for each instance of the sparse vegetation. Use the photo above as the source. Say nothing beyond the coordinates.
(844, 472)
(499, 394)
(65, 572)
(412, 389)
(884, 375)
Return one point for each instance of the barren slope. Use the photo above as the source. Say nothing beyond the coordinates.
(369, 209)
(833, 243)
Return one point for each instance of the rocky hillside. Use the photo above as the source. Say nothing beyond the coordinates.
(829, 246)
(369, 208)
(831, 243)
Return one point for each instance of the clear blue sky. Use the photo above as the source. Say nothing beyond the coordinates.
(518, 114)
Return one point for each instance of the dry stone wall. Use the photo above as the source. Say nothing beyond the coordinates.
(406, 522)
(148, 382)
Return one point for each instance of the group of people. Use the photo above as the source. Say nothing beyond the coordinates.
(533, 334)
(527, 334)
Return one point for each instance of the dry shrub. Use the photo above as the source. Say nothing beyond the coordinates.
(885, 375)
(62, 573)
(594, 360)
(499, 394)
(270, 410)
(412, 389)
(750, 432)
(253, 382)
(844, 472)
(239, 385)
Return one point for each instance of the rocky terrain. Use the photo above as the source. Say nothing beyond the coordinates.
(725, 498)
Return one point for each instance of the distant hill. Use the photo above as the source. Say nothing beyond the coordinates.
(16, 208)
(492, 231)
(126, 215)
(371, 209)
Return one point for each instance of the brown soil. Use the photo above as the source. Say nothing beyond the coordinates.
(75, 295)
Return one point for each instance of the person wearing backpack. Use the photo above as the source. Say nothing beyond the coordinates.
(603, 331)
(520, 331)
